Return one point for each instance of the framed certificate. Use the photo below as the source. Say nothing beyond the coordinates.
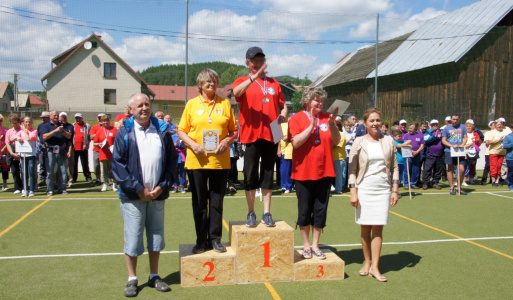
(210, 140)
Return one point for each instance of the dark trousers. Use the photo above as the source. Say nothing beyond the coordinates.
(486, 170)
(278, 172)
(42, 164)
(266, 152)
(16, 173)
(208, 188)
(233, 176)
(84, 160)
(312, 201)
(433, 165)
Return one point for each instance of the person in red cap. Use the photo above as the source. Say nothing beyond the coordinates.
(260, 99)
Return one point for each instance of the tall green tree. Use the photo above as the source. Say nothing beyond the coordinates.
(296, 98)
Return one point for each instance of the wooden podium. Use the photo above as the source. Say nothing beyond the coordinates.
(261, 254)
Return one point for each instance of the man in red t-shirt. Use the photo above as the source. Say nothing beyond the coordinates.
(81, 144)
(260, 100)
(118, 122)
(96, 154)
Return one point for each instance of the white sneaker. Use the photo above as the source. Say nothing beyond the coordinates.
(332, 188)
(114, 188)
(23, 194)
(464, 184)
(104, 187)
(31, 194)
(17, 191)
(70, 184)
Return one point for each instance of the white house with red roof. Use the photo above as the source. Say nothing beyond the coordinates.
(91, 78)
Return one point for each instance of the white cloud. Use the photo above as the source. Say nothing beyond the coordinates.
(28, 45)
(141, 52)
(329, 6)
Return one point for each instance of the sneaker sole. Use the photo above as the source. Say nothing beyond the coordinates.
(270, 225)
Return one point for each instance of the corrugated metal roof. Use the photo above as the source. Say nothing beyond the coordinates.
(445, 38)
(358, 65)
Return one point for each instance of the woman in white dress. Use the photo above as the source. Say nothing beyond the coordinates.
(372, 170)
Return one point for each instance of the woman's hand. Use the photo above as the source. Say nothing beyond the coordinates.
(393, 199)
(198, 149)
(312, 118)
(261, 72)
(222, 147)
(354, 200)
(333, 116)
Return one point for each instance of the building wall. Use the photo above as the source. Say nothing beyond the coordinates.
(5, 102)
(478, 86)
(174, 108)
(78, 85)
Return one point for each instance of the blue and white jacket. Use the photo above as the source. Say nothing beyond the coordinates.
(126, 166)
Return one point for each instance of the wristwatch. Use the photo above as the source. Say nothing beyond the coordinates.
(352, 185)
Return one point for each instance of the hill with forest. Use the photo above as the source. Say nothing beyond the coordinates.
(175, 74)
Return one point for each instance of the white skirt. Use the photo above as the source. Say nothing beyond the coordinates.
(374, 198)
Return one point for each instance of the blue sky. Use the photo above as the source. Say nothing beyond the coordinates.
(299, 38)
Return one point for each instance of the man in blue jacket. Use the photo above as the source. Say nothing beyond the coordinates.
(143, 163)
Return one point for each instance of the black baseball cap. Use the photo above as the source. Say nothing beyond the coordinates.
(254, 51)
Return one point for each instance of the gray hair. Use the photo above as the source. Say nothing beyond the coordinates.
(131, 99)
(311, 92)
(204, 75)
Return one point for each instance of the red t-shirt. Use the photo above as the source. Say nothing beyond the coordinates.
(256, 114)
(311, 161)
(121, 117)
(79, 137)
(102, 134)
(93, 131)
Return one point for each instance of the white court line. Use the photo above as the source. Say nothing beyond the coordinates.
(233, 197)
(297, 247)
(499, 195)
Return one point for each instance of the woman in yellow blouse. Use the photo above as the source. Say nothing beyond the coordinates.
(207, 128)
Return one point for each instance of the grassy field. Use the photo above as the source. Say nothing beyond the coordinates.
(436, 246)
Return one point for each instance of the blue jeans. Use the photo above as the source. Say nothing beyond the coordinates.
(29, 171)
(509, 163)
(340, 166)
(180, 175)
(286, 172)
(138, 215)
(414, 164)
(401, 170)
(59, 160)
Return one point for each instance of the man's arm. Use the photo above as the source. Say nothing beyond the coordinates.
(120, 160)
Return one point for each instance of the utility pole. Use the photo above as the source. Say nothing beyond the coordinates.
(16, 108)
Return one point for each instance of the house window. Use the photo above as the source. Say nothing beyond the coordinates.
(164, 107)
(109, 96)
(109, 70)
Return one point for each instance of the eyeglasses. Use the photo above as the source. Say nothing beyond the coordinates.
(258, 61)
